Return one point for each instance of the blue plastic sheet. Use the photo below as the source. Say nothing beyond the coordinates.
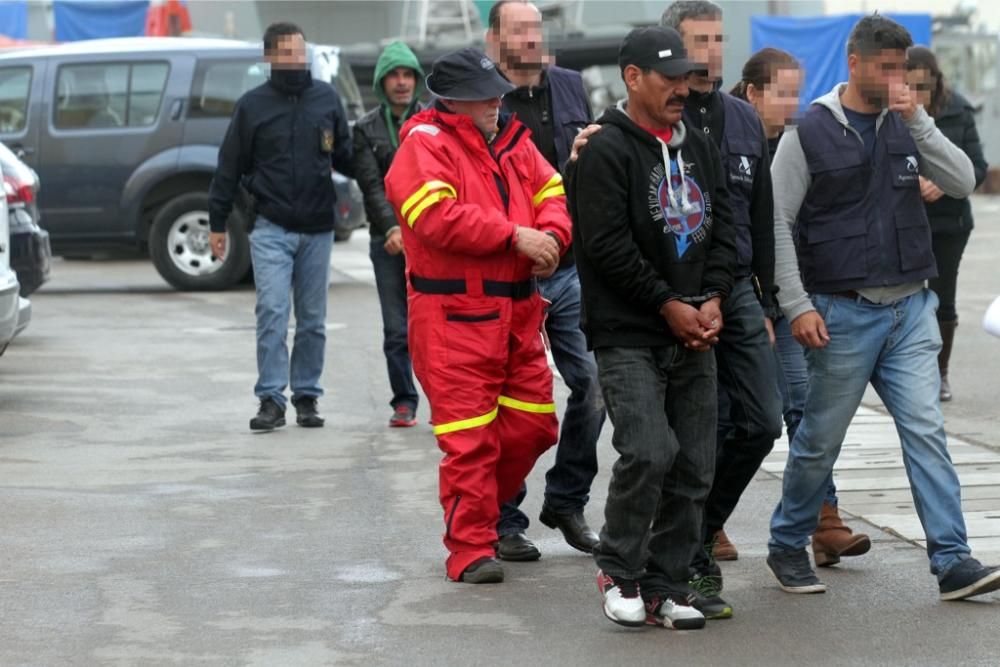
(14, 19)
(97, 19)
(820, 44)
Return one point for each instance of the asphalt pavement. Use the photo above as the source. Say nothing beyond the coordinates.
(143, 524)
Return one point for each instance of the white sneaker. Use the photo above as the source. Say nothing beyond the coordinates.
(622, 603)
(674, 611)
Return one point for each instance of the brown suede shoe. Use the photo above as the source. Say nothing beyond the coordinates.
(724, 549)
(833, 539)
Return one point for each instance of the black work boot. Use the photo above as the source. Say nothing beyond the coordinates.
(269, 416)
(306, 413)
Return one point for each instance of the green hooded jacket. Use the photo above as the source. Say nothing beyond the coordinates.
(396, 54)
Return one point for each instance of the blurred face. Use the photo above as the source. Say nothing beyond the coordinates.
(399, 86)
(517, 44)
(922, 84)
(703, 41)
(288, 53)
(777, 102)
(878, 76)
(655, 99)
(484, 113)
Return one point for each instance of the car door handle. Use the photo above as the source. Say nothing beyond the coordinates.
(176, 109)
(21, 151)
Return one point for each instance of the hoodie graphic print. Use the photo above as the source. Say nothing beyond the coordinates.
(681, 207)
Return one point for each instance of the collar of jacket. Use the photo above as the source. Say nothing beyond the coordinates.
(511, 133)
(390, 122)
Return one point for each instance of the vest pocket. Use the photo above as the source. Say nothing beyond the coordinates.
(904, 164)
(838, 249)
(838, 178)
(913, 236)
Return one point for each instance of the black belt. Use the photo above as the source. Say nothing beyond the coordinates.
(519, 290)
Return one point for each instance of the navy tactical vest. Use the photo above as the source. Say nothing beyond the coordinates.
(570, 111)
(862, 222)
(742, 147)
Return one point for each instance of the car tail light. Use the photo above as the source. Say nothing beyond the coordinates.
(17, 192)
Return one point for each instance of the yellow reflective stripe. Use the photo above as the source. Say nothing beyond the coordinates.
(465, 424)
(551, 192)
(429, 200)
(524, 406)
(429, 186)
(556, 180)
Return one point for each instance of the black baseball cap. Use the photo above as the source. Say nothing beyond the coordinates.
(467, 74)
(658, 48)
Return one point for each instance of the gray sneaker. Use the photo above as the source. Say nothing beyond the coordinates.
(967, 579)
(793, 572)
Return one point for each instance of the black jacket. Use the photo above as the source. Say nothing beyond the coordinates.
(281, 147)
(373, 153)
(957, 122)
(634, 251)
(742, 143)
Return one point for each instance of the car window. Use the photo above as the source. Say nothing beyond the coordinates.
(146, 93)
(347, 86)
(219, 84)
(109, 95)
(15, 84)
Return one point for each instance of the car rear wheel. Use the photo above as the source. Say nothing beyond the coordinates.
(179, 246)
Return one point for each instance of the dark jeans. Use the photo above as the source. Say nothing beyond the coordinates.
(567, 483)
(390, 281)
(948, 249)
(748, 379)
(662, 403)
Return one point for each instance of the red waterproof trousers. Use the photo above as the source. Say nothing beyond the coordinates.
(481, 361)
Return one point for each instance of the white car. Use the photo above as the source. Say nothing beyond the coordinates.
(15, 312)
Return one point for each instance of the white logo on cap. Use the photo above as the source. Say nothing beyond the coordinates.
(666, 53)
(486, 63)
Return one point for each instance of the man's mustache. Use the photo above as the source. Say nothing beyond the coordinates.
(677, 99)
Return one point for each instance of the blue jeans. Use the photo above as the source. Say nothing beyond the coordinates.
(793, 378)
(895, 347)
(567, 483)
(748, 383)
(390, 281)
(662, 402)
(288, 268)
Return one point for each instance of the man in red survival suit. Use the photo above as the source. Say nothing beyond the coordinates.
(482, 214)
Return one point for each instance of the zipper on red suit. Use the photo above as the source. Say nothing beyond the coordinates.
(451, 516)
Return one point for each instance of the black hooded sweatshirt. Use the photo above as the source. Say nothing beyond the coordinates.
(640, 244)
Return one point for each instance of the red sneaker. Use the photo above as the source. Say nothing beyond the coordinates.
(403, 417)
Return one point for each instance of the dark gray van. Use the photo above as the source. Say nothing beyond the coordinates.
(124, 135)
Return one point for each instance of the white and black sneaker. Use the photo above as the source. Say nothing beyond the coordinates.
(674, 611)
(622, 603)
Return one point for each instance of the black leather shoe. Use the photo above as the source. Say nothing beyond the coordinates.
(574, 528)
(517, 547)
(306, 414)
(269, 416)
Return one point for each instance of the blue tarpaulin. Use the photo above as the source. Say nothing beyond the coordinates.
(96, 19)
(820, 44)
(14, 18)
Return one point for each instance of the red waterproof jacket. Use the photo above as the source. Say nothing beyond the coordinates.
(459, 199)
